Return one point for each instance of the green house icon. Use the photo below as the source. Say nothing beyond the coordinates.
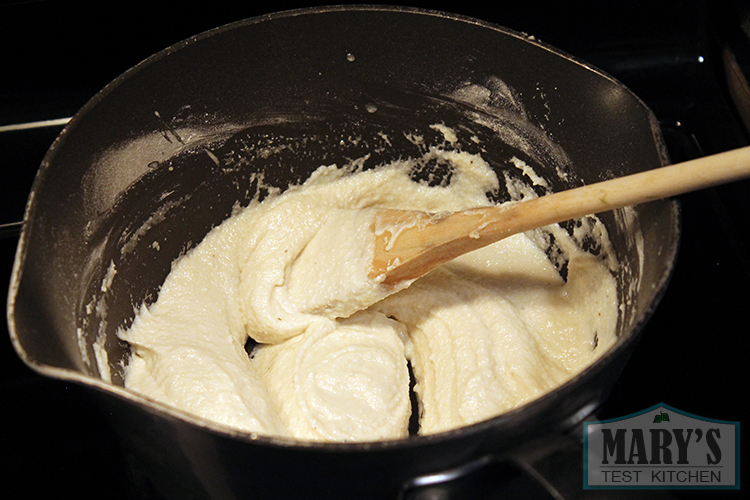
(663, 417)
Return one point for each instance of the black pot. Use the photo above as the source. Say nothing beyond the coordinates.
(164, 153)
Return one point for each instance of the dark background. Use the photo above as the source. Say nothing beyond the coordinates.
(55, 55)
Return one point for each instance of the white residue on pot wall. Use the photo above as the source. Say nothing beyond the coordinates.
(123, 164)
(497, 106)
(627, 221)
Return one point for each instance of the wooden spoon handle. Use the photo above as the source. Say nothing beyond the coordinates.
(423, 246)
(647, 186)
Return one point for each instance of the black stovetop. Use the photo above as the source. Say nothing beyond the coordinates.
(55, 55)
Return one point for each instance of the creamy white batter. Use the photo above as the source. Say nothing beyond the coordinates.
(484, 333)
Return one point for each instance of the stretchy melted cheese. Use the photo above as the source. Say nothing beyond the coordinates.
(484, 333)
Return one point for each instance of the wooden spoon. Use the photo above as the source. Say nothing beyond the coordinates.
(409, 243)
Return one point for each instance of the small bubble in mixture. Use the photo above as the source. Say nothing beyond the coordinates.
(371, 108)
(350, 57)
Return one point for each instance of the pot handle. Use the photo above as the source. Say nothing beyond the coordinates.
(554, 462)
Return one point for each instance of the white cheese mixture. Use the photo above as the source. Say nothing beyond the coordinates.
(484, 334)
